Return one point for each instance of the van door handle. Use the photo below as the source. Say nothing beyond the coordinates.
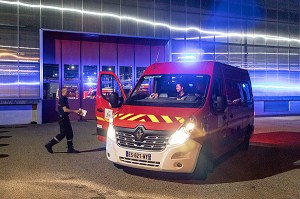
(231, 115)
(100, 109)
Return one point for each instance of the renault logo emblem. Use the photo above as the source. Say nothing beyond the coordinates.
(139, 134)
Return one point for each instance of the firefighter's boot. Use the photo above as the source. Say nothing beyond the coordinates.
(49, 145)
(71, 148)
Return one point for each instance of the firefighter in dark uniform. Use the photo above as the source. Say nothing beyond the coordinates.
(64, 124)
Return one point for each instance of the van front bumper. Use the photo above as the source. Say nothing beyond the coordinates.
(177, 158)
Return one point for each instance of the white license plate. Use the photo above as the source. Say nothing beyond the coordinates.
(140, 156)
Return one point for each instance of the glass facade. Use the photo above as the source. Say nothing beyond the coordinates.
(258, 35)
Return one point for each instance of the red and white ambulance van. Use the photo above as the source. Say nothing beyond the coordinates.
(154, 129)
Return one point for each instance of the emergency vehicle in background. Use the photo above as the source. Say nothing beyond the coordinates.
(163, 133)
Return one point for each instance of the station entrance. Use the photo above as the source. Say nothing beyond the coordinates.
(73, 60)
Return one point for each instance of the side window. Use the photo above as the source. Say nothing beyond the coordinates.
(238, 92)
(217, 88)
(110, 87)
(216, 91)
(233, 91)
(143, 89)
(245, 92)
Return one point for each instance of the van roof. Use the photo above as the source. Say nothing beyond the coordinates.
(204, 67)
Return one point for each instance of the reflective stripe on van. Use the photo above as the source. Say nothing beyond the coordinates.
(149, 118)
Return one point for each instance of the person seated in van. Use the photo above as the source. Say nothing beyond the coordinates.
(200, 90)
(181, 95)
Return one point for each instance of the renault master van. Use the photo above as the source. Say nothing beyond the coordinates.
(179, 117)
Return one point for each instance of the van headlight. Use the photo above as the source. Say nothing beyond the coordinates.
(111, 132)
(182, 134)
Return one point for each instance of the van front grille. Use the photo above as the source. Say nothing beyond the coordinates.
(140, 162)
(151, 142)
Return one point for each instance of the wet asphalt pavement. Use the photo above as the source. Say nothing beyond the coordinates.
(27, 170)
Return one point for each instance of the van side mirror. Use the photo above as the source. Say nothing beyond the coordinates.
(221, 104)
(114, 100)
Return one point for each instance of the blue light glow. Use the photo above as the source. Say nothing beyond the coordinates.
(90, 84)
(187, 58)
(275, 89)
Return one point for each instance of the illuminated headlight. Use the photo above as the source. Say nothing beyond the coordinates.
(182, 134)
(111, 132)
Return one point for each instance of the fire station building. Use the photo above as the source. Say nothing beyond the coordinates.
(46, 45)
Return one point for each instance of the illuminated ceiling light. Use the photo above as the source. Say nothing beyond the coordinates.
(158, 24)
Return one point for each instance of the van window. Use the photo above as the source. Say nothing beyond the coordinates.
(216, 91)
(238, 92)
(161, 90)
(245, 87)
(109, 85)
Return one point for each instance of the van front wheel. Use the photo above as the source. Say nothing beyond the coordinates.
(204, 163)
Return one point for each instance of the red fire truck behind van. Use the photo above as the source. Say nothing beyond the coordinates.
(178, 118)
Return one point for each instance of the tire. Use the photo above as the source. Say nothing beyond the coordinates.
(246, 143)
(204, 163)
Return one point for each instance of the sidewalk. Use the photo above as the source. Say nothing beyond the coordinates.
(281, 131)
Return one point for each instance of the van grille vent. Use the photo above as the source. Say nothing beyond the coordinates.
(151, 142)
(140, 162)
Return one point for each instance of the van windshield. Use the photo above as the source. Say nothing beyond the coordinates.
(170, 90)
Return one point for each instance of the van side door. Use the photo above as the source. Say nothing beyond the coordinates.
(218, 117)
(238, 110)
(110, 97)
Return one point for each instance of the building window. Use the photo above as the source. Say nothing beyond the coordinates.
(126, 78)
(109, 68)
(71, 72)
(89, 81)
(50, 81)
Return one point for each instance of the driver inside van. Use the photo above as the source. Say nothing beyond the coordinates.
(181, 95)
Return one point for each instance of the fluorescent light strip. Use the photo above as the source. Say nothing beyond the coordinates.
(16, 47)
(20, 83)
(19, 71)
(202, 37)
(175, 28)
(294, 88)
(9, 60)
